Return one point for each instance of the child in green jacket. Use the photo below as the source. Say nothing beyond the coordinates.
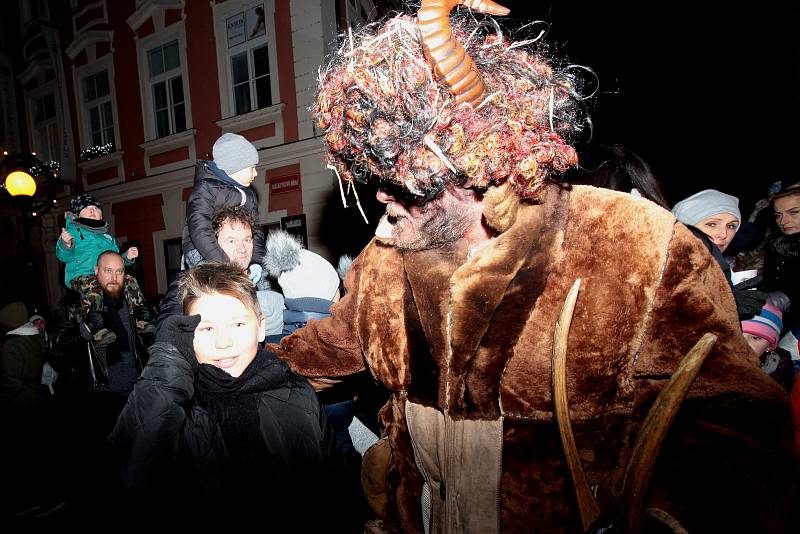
(83, 238)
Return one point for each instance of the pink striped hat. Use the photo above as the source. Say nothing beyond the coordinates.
(767, 325)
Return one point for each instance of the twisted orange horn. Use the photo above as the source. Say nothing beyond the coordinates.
(448, 58)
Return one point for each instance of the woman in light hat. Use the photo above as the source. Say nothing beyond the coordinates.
(714, 217)
(714, 213)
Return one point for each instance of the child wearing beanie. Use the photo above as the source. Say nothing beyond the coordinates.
(225, 181)
(310, 285)
(83, 238)
(762, 333)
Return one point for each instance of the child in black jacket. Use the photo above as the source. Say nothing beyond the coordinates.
(226, 181)
(217, 421)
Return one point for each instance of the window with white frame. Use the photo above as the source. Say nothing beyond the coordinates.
(166, 87)
(248, 59)
(45, 127)
(97, 108)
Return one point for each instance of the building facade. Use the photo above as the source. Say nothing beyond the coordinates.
(127, 95)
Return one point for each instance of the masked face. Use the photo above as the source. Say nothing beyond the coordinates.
(416, 224)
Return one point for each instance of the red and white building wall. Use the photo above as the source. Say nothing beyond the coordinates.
(147, 86)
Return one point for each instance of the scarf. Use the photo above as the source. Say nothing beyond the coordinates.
(233, 404)
(90, 225)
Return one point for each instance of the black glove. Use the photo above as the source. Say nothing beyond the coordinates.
(749, 283)
(749, 301)
(178, 331)
(91, 324)
(143, 313)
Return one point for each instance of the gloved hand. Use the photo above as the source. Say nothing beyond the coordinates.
(143, 313)
(254, 273)
(178, 331)
(749, 301)
(780, 300)
(750, 283)
(91, 324)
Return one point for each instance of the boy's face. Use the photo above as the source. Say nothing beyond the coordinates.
(228, 334)
(246, 176)
(91, 212)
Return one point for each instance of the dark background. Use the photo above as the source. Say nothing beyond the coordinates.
(706, 92)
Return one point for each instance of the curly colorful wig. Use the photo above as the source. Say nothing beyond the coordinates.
(386, 116)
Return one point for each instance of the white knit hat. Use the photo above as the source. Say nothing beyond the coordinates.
(704, 204)
(300, 272)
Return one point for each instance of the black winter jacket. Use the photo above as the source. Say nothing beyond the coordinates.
(782, 273)
(171, 448)
(170, 304)
(70, 352)
(212, 191)
(21, 371)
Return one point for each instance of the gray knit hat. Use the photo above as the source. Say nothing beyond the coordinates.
(704, 204)
(232, 153)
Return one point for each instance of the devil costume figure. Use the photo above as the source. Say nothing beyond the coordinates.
(454, 306)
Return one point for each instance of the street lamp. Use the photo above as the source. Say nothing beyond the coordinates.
(20, 183)
(30, 183)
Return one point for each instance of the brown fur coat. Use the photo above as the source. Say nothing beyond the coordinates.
(464, 345)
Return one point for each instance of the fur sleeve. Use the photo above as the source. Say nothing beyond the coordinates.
(728, 463)
(329, 347)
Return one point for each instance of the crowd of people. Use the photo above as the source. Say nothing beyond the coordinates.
(518, 349)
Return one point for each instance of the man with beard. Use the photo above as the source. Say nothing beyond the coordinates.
(112, 369)
(502, 416)
(100, 379)
(122, 359)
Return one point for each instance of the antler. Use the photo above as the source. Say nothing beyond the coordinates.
(654, 430)
(587, 503)
(446, 54)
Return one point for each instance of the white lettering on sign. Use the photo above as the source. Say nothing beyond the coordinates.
(285, 184)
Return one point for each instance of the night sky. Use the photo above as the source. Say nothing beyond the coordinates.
(708, 95)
